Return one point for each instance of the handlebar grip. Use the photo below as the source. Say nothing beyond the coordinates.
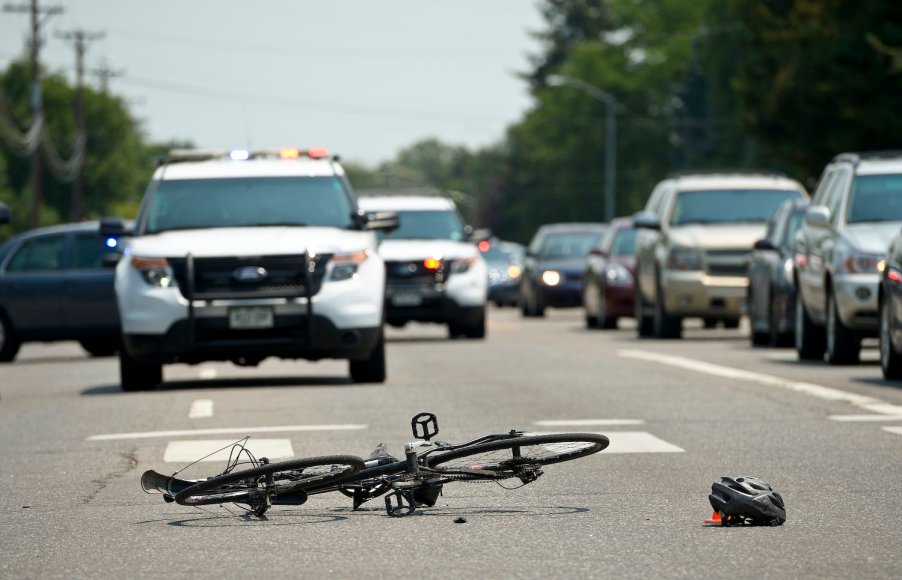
(153, 481)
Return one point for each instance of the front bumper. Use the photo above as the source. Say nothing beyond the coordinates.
(856, 301)
(700, 294)
(415, 303)
(567, 294)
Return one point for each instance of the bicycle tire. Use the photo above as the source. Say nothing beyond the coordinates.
(241, 486)
(499, 460)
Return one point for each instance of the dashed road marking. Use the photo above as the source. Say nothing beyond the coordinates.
(201, 408)
(632, 442)
(896, 430)
(208, 373)
(821, 392)
(587, 422)
(231, 430)
(221, 449)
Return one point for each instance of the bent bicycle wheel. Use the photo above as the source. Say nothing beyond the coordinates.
(507, 457)
(271, 480)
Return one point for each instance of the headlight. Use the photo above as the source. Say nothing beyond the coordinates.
(618, 275)
(551, 277)
(462, 265)
(513, 272)
(684, 259)
(155, 271)
(345, 266)
(860, 263)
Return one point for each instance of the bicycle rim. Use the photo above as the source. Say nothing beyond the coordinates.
(506, 457)
(285, 477)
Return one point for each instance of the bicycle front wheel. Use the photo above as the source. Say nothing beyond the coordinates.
(509, 457)
(271, 480)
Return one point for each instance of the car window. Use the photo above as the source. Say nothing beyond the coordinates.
(624, 243)
(834, 195)
(728, 205)
(875, 198)
(87, 252)
(793, 224)
(568, 244)
(822, 187)
(427, 225)
(39, 255)
(248, 202)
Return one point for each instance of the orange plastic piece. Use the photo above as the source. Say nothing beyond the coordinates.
(714, 519)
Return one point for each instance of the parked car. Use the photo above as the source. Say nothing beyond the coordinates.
(692, 249)
(54, 286)
(555, 266)
(435, 273)
(610, 290)
(854, 214)
(505, 266)
(772, 296)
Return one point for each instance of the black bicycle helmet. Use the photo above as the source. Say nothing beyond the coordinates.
(747, 500)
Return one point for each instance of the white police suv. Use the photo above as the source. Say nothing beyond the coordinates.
(435, 272)
(244, 255)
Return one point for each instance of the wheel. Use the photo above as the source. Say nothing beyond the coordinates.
(758, 338)
(644, 324)
(9, 341)
(890, 361)
(709, 323)
(665, 325)
(843, 346)
(604, 321)
(732, 323)
(809, 339)
(590, 307)
(100, 347)
(137, 376)
(509, 457)
(372, 369)
(474, 330)
(529, 304)
(268, 482)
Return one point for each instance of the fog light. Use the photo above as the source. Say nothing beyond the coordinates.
(862, 293)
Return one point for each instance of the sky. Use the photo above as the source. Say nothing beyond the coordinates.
(364, 78)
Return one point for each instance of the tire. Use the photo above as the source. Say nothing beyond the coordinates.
(777, 339)
(530, 306)
(843, 346)
(890, 361)
(100, 347)
(731, 323)
(508, 457)
(709, 323)
(373, 368)
(605, 322)
(809, 339)
(244, 486)
(590, 317)
(475, 330)
(665, 325)
(9, 340)
(136, 376)
(757, 338)
(644, 324)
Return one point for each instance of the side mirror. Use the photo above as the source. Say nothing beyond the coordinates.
(764, 244)
(5, 214)
(479, 235)
(817, 216)
(385, 221)
(646, 220)
(113, 227)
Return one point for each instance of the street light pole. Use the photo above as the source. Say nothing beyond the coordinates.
(610, 148)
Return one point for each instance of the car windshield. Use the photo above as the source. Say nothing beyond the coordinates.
(427, 225)
(568, 244)
(248, 202)
(624, 243)
(876, 198)
(728, 206)
(501, 255)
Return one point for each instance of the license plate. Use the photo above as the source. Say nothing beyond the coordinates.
(251, 317)
(406, 299)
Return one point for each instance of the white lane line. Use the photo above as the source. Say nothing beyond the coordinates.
(239, 430)
(587, 422)
(201, 408)
(821, 392)
(184, 451)
(865, 418)
(896, 430)
(208, 373)
(632, 442)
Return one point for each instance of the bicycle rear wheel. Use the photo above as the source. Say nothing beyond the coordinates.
(271, 481)
(509, 457)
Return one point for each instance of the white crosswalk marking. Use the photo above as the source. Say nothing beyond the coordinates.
(587, 422)
(631, 442)
(188, 451)
(201, 408)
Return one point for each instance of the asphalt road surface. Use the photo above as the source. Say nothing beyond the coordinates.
(679, 415)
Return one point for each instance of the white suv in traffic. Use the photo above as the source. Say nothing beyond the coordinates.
(435, 272)
(245, 255)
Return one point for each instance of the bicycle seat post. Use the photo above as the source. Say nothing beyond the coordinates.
(410, 453)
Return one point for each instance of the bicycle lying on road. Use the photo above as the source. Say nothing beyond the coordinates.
(415, 481)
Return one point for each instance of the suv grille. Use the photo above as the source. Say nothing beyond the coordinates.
(215, 278)
(727, 262)
(415, 273)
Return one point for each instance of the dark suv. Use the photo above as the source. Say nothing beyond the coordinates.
(53, 286)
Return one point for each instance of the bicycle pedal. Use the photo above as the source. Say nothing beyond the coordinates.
(399, 504)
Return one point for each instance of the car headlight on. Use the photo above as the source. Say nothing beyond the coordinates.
(618, 275)
(155, 271)
(345, 266)
(514, 271)
(681, 258)
(461, 265)
(551, 277)
(860, 262)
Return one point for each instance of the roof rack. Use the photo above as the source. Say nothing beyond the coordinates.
(727, 171)
(187, 155)
(856, 158)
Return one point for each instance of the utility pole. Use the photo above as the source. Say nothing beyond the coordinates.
(105, 72)
(79, 39)
(38, 14)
